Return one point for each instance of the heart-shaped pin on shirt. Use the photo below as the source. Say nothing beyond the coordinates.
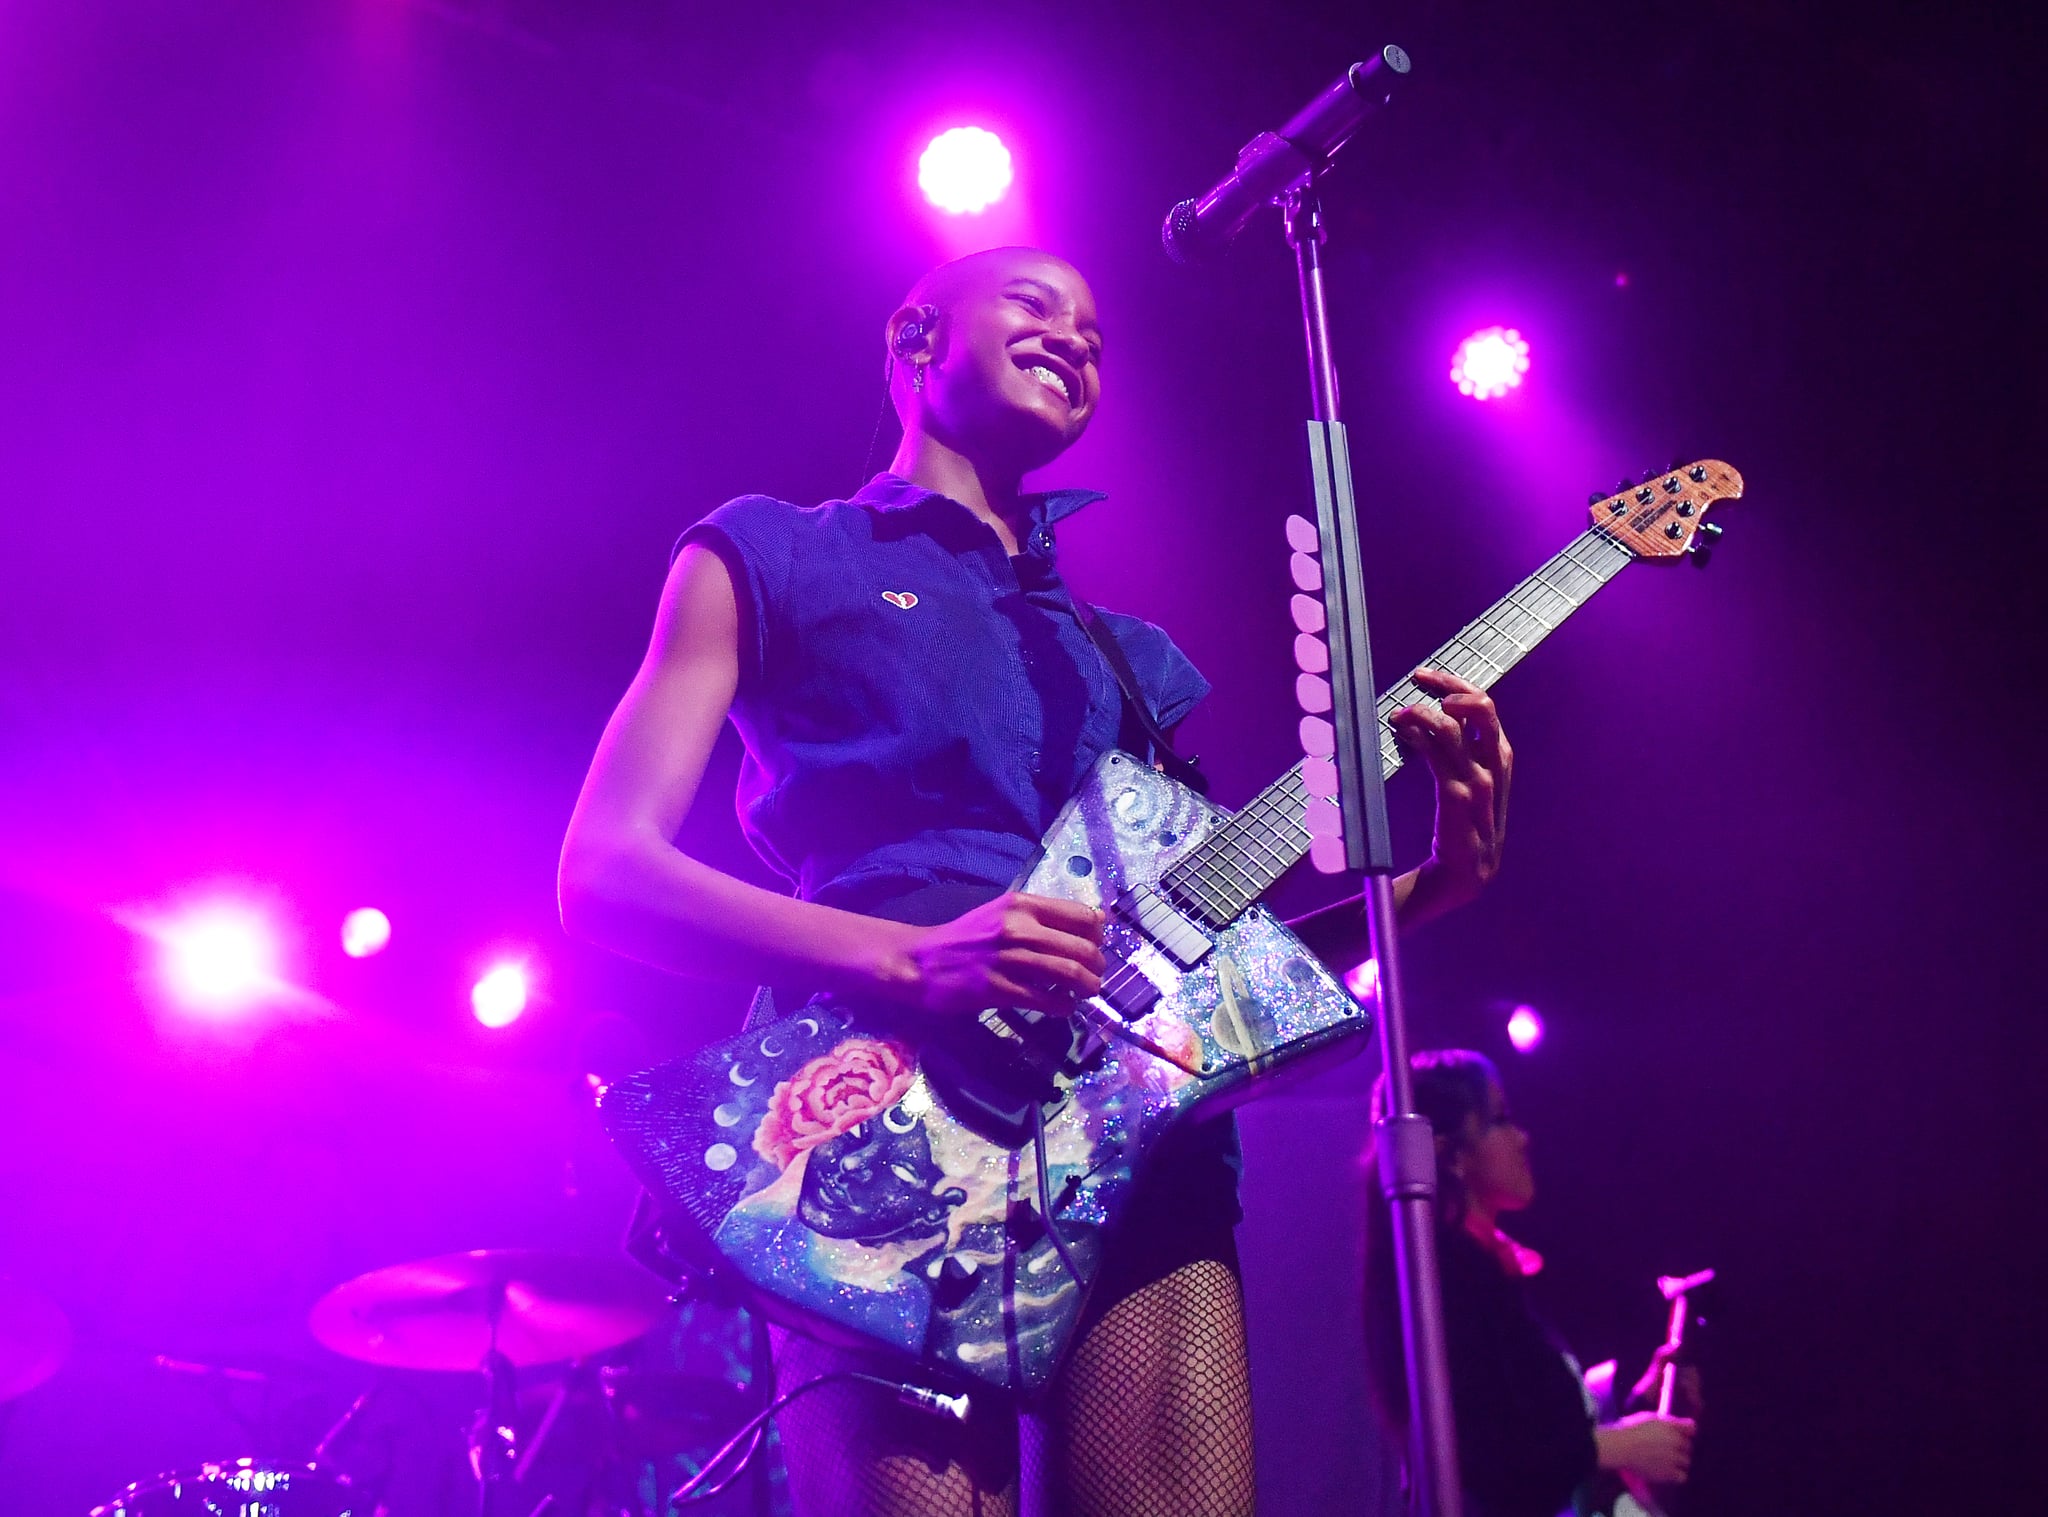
(904, 599)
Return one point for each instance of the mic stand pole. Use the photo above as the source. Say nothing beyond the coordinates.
(1406, 1147)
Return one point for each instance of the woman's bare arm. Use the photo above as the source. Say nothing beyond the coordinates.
(624, 885)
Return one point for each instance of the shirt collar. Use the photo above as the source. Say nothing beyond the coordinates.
(892, 492)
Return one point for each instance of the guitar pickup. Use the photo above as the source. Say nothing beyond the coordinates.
(1137, 977)
(1129, 992)
(1163, 925)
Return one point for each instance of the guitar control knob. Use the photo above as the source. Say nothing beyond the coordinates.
(1697, 473)
(1674, 531)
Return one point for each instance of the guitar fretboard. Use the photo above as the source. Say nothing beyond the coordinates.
(1240, 860)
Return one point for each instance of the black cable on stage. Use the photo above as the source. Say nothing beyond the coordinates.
(1052, 1228)
(755, 1429)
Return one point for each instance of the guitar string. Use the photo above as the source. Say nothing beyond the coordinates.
(1252, 826)
(1258, 825)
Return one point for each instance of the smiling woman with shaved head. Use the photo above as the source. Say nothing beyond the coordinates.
(918, 698)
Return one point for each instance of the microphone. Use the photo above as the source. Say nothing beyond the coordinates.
(1272, 163)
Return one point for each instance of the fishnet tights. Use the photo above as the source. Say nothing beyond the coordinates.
(1151, 1418)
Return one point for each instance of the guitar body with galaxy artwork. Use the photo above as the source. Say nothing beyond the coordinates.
(947, 1196)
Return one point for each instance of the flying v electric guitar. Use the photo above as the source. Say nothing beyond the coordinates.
(948, 1198)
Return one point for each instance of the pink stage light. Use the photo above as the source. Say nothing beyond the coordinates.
(364, 932)
(219, 959)
(500, 996)
(1364, 981)
(1525, 1028)
(965, 171)
(1488, 364)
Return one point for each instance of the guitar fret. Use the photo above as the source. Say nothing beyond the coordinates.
(1260, 838)
(1487, 621)
(1194, 883)
(1243, 879)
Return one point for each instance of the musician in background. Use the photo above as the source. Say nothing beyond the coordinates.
(918, 698)
(1528, 1445)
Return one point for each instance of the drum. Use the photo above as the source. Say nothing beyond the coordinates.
(238, 1488)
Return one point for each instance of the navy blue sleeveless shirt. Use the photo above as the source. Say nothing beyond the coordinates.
(916, 704)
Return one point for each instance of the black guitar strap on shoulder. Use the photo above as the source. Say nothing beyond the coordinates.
(1137, 711)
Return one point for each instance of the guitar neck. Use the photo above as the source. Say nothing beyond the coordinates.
(1240, 860)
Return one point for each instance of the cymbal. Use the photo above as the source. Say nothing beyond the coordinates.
(440, 1314)
(35, 1337)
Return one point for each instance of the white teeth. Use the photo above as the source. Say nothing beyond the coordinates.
(1040, 372)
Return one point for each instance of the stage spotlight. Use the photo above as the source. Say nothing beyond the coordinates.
(500, 996)
(219, 958)
(1525, 1029)
(1488, 364)
(364, 932)
(964, 171)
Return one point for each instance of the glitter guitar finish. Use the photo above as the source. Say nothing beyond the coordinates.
(947, 1198)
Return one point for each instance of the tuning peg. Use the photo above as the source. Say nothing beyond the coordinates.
(1595, 498)
(1624, 487)
(1702, 551)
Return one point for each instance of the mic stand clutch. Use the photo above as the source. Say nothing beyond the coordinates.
(1407, 1152)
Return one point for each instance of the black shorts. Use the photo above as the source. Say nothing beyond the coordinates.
(1183, 1210)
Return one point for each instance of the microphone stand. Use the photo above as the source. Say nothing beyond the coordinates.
(1406, 1147)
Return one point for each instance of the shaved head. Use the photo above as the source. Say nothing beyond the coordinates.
(945, 284)
(997, 355)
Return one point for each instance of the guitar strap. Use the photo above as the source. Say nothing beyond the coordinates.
(1137, 711)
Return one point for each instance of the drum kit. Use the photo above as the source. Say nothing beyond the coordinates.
(490, 1312)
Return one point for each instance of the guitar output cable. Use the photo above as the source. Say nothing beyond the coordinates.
(1052, 1227)
(923, 1397)
(733, 1458)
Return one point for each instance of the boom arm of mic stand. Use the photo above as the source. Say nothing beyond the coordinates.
(1407, 1149)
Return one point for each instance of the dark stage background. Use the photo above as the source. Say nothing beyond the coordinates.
(360, 361)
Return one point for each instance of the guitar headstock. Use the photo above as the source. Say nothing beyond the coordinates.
(1665, 515)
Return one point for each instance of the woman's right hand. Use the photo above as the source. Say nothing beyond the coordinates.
(1658, 1448)
(1018, 950)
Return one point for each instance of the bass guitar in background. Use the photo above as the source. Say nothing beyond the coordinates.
(1670, 1387)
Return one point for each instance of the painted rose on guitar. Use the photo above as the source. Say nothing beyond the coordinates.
(833, 1093)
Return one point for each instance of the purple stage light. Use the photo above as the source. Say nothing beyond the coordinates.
(1488, 364)
(964, 171)
(364, 932)
(219, 959)
(1525, 1029)
(500, 996)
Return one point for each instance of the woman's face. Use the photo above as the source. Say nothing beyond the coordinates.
(1492, 1158)
(1016, 371)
